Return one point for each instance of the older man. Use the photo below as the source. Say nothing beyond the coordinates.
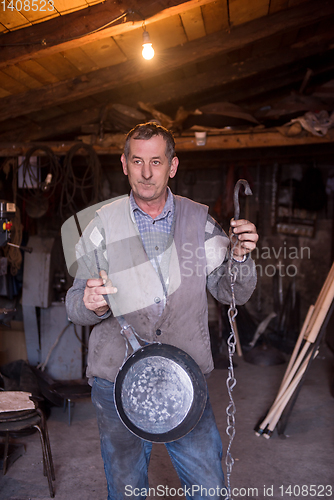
(164, 299)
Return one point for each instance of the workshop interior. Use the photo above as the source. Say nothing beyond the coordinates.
(247, 89)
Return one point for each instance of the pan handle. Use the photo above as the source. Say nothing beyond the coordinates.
(126, 330)
(130, 335)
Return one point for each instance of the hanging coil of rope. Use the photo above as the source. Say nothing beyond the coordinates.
(34, 193)
(85, 188)
(31, 174)
(38, 189)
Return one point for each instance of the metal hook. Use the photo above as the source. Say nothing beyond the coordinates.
(248, 192)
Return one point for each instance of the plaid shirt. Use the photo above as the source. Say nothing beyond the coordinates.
(154, 232)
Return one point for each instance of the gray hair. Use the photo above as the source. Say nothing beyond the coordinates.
(146, 131)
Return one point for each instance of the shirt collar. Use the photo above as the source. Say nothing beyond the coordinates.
(167, 210)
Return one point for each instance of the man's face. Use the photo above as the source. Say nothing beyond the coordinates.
(148, 169)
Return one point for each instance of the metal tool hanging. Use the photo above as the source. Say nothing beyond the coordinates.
(232, 340)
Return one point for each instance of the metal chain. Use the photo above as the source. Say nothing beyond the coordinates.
(231, 380)
(232, 340)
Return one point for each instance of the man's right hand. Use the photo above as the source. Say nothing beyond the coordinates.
(94, 291)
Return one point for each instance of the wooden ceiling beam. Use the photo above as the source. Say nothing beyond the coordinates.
(171, 92)
(79, 28)
(286, 63)
(263, 139)
(276, 87)
(138, 70)
(288, 67)
(168, 96)
(109, 78)
(52, 128)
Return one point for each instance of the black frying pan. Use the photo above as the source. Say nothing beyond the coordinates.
(160, 392)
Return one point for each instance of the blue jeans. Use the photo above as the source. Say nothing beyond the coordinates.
(196, 456)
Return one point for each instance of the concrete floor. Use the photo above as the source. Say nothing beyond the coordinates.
(263, 467)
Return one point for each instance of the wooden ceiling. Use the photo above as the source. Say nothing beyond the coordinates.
(68, 66)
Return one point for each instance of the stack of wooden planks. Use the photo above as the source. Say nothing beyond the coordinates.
(304, 351)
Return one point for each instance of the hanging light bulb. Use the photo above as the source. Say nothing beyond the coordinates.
(148, 50)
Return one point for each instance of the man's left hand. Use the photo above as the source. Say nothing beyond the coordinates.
(247, 237)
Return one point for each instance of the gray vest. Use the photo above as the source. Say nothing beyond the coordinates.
(184, 320)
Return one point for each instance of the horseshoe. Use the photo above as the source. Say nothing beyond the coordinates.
(248, 192)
